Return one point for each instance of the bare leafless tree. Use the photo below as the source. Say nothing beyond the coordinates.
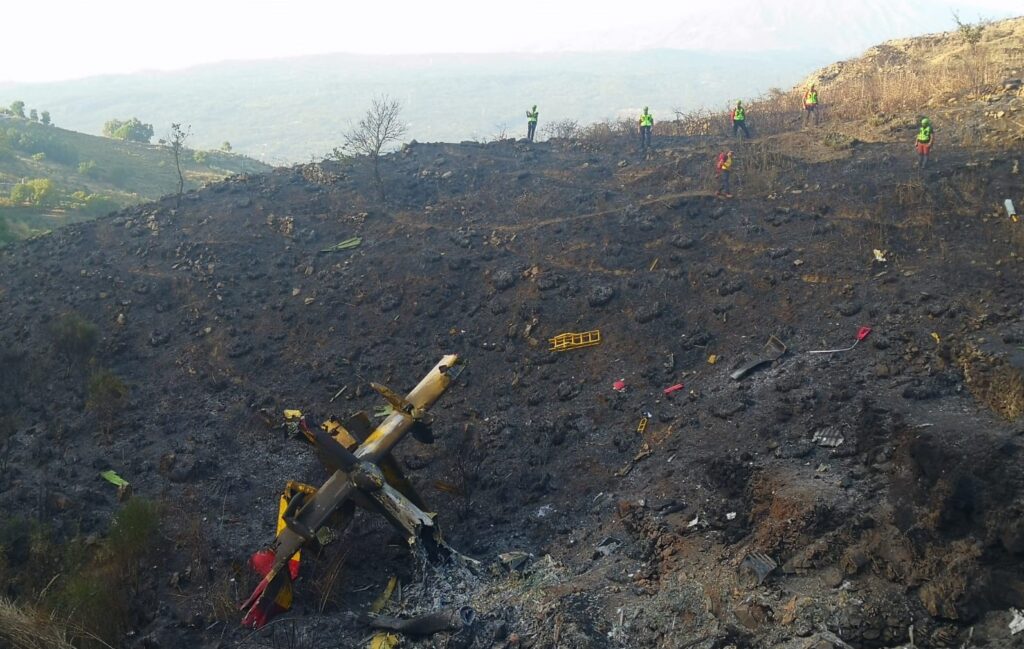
(176, 140)
(382, 125)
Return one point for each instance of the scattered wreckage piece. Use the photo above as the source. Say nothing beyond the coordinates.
(756, 567)
(862, 333)
(364, 474)
(570, 340)
(347, 244)
(453, 619)
(829, 437)
(773, 351)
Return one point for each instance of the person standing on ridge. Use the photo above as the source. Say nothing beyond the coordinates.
(646, 124)
(739, 120)
(724, 167)
(531, 123)
(925, 138)
(811, 105)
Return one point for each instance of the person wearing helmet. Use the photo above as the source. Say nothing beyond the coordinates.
(646, 124)
(724, 167)
(925, 139)
(811, 105)
(531, 123)
(739, 120)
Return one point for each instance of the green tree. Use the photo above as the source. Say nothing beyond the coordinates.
(44, 192)
(21, 194)
(226, 147)
(38, 191)
(33, 115)
(44, 117)
(18, 108)
(132, 130)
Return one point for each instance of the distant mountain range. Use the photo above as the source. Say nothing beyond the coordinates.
(289, 110)
(705, 54)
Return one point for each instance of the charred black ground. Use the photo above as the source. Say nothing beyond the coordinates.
(223, 312)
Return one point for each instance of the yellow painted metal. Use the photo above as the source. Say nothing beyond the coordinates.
(391, 430)
(340, 434)
(572, 340)
(642, 426)
(384, 640)
(290, 490)
(385, 597)
(339, 487)
(292, 414)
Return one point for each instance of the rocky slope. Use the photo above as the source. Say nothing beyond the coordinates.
(884, 482)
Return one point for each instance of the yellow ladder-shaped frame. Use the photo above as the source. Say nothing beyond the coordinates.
(567, 341)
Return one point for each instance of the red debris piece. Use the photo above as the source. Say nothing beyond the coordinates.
(862, 333)
(619, 386)
(673, 388)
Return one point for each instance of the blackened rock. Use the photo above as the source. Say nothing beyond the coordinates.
(794, 450)
(390, 301)
(566, 391)
(850, 308)
(600, 295)
(158, 338)
(683, 242)
(239, 348)
(730, 287)
(183, 468)
(649, 312)
(503, 279)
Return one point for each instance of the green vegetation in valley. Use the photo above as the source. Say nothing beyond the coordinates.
(50, 177)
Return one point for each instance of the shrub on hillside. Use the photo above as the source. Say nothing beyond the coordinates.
(38, 191)
(106, 395)
(88, 168)
(74, 337)
(35, 139)
(99, 592)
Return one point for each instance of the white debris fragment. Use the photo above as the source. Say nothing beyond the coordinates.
(731, 516)
(693, 523)
(1017, 623)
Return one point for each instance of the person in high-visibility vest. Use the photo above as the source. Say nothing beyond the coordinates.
(646, 124)
(739, 120)
(811, 104)
(531, 123)
(925, 139)
(724, 167)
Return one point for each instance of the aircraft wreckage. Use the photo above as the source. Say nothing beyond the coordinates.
(364, 474)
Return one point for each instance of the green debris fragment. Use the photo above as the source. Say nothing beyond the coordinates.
(383, 411)
(114, 479)
(344, 245)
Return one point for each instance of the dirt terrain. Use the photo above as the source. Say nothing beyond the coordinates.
(884, 482)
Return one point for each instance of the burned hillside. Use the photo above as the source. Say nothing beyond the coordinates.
(870, 496)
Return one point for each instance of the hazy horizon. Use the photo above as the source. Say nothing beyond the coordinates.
(115, 37)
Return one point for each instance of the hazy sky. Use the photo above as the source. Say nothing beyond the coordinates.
(63, 39)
